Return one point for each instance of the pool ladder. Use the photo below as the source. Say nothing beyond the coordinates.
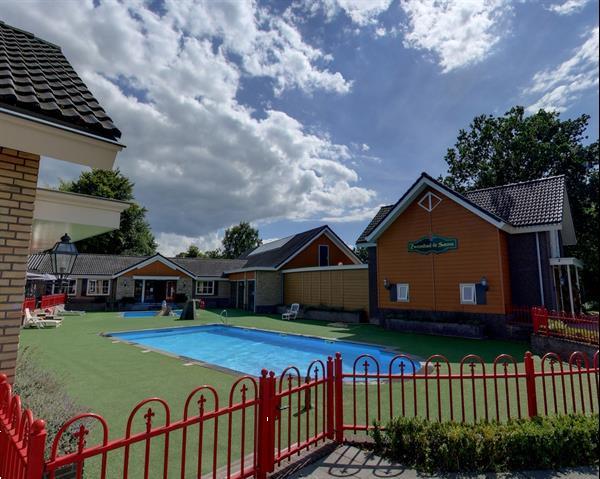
(224, 316)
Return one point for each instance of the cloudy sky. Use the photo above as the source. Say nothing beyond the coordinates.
(291, 114)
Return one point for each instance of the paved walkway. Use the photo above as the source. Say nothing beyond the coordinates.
(351, 463)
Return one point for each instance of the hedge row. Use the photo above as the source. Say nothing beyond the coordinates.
(526, 444)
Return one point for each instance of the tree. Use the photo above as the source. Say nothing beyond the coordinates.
(240, 238)
(134, 235)
(515, 147)
(192, 252)
(362, 253)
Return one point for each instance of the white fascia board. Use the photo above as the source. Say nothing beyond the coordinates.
(247, 270)
(158, 278)
(515, 230)
(416, 190)
(340, 244)
(40, 137)
(153, 259)
(210, 278)
(326, 268)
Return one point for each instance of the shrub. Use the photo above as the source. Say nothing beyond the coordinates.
(525, 444)
(45, 395)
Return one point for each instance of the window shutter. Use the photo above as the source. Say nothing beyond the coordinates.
(393, 293)
(216, 288)
(84, 287)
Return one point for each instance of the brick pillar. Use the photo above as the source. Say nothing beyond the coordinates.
(18, 182)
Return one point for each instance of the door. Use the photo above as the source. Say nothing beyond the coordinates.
(240, 296)
(171, 289)
(251, 292)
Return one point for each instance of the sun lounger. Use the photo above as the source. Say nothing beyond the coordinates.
(291, 313)
(61, 311)
(32, 321)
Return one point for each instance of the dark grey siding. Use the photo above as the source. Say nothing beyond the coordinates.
(524, 272)
(372, 262)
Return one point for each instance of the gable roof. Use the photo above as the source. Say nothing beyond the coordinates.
(536, 203)
(36, 79)
(276, 253)
(114, 265)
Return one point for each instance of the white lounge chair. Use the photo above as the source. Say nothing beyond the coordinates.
(61, 311)
(32, 321)
(291, 313)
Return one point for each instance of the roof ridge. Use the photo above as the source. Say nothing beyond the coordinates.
(30, 35)
(544, 178)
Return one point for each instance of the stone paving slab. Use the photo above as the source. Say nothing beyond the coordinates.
(349, 462)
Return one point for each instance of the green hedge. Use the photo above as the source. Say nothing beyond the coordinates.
(526, 444)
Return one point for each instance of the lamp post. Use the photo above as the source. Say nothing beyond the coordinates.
(62, 257)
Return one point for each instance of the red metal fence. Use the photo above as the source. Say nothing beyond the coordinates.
(582, 328)
(51, 300)
(265, 422)
(28, 303)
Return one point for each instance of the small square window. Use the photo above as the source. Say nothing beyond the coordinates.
(205, 287)
(402, 292)
(467, 293)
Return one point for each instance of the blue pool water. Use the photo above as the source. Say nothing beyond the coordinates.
(249, 350)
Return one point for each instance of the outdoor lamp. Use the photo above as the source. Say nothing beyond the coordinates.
(484, 282)
(386, 283)
(62, 256)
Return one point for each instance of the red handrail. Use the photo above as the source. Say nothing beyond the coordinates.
(51, 300)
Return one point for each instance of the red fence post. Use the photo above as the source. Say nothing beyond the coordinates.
(330, 407)
(265, 460)
(35, 450)
(339, 399)
(530, 383)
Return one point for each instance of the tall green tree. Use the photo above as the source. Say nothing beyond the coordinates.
(192, 252)
(134, 235)
(240, 238)
(518, 147)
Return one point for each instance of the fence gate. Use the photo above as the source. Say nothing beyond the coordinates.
(297, 413)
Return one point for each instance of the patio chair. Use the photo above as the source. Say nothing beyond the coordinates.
(291, 313)
(60, 310)
(32, 321)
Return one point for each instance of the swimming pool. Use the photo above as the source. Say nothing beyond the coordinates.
(250, 350)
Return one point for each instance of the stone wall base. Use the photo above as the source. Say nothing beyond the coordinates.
(564, 348)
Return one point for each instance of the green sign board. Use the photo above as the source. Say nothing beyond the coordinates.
(432, 244)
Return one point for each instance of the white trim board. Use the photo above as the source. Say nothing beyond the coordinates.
(326, 268)
(34, 135)
(152, 259)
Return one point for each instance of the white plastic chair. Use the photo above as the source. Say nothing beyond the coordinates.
(60, 309)
(291, 313)
(32, 321)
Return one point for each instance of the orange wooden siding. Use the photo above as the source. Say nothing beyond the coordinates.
(156, 268)
(343, 289)
(434, 279)
(310, 256)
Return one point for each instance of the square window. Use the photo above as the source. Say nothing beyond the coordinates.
(402, 292)
(467, 293)
(205, 287)
(323, 255)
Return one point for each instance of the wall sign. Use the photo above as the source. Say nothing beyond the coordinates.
(432, 244)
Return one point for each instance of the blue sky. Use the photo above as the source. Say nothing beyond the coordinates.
(293, 114)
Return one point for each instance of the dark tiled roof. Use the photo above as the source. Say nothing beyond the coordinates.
(87, 264)
(273, 258)
(529, 203)
(536, 202)
(382, 213)
(107, 265)
(208, 266)
(37, 79)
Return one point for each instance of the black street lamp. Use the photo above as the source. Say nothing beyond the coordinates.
(62, 257)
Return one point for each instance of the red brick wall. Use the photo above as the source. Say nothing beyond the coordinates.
(18, 182)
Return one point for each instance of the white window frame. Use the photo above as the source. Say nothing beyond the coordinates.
(71, 287)
(463, 288)
(319, 254)
(402, 298)
(202, 291)
(98, 289)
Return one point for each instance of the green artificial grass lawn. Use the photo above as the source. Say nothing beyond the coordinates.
(110, 377)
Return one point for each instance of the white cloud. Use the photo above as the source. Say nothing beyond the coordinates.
(556, 88)
(457, 32)
(201, 160)
(568, 7)
(360, 12)
(170, 244)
